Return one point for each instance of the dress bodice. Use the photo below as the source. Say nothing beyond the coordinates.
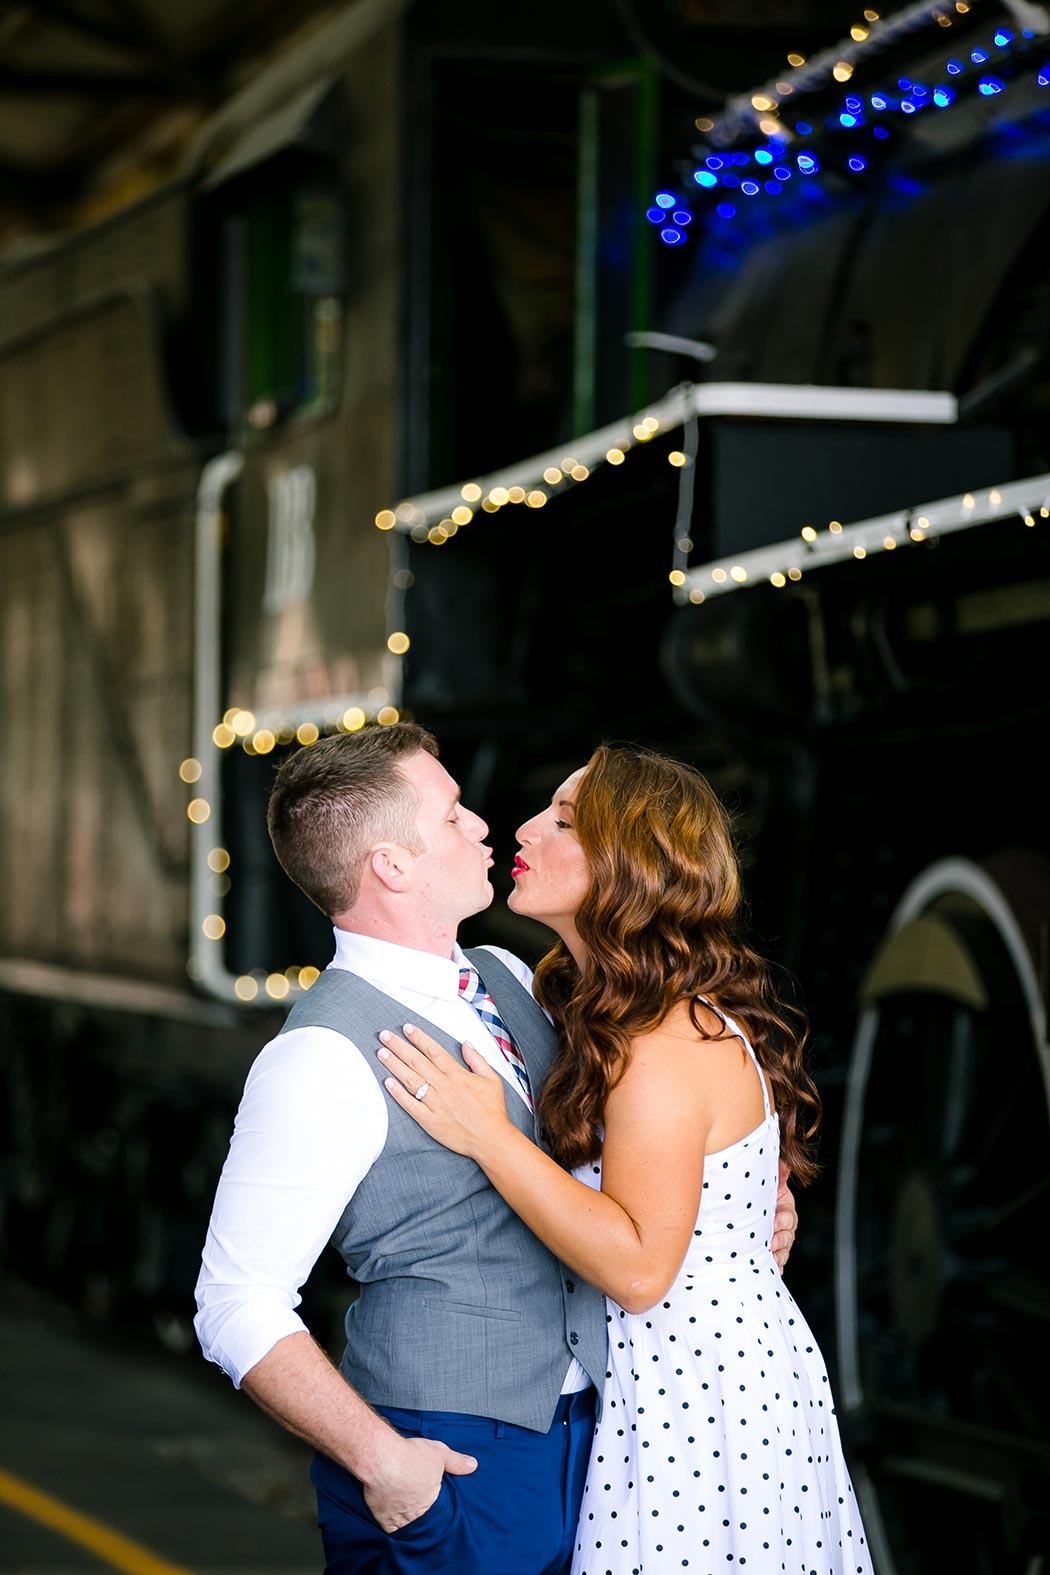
(738, 1200)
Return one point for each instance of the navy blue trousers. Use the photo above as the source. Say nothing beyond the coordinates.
(515, 1515)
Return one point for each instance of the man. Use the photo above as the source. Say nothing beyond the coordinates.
(454, 1437)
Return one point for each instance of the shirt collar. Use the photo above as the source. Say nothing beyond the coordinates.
(385, 964)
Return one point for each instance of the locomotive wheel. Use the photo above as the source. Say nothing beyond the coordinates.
(942, 1296)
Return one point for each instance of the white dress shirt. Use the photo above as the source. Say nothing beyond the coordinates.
(311, 1123)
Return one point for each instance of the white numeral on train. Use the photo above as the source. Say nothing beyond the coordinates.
(291, 549)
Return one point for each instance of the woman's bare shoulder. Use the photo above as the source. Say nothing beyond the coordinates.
(691, 1014)
(685, 1025)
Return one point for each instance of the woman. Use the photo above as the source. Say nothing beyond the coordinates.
(677, 1085)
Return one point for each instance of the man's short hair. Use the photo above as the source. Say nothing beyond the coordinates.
(333, 801)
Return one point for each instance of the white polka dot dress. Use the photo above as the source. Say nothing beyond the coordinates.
(717, 1448)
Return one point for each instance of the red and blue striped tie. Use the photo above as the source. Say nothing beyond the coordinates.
(474, 993)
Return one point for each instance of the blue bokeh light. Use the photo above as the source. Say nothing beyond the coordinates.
(766, 168)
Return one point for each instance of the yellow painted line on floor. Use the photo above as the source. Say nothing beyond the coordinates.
(116, 1550)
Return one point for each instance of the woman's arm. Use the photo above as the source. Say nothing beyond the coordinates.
(629, 1239)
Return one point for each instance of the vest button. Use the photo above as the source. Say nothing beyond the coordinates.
(570, 1286)
(574, 1338)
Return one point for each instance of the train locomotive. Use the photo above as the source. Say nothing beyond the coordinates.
(362, 417)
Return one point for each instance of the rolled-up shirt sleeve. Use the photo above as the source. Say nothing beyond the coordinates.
(311, 1123)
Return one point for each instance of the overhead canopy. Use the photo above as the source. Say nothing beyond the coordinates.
(789, 560)
(783, 401)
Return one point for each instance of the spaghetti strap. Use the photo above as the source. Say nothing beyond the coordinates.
(767, 1110)
(736, 1029)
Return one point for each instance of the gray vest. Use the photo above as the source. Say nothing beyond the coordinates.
(461, 1308)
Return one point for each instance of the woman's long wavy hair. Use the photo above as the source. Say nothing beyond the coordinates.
(660, 925)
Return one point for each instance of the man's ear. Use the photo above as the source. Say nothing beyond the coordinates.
(391, 864)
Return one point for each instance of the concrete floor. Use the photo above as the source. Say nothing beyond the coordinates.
(157, 1449)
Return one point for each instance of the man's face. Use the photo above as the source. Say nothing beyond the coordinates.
(450, 876)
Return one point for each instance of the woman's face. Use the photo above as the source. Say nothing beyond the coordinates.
(550, 874)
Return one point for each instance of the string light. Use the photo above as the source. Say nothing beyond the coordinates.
(258, 987)
(719, 169)
(672, 215)
(866, 36)
(528, 481)
(866, 539)
(212, 870)
(534, 482)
